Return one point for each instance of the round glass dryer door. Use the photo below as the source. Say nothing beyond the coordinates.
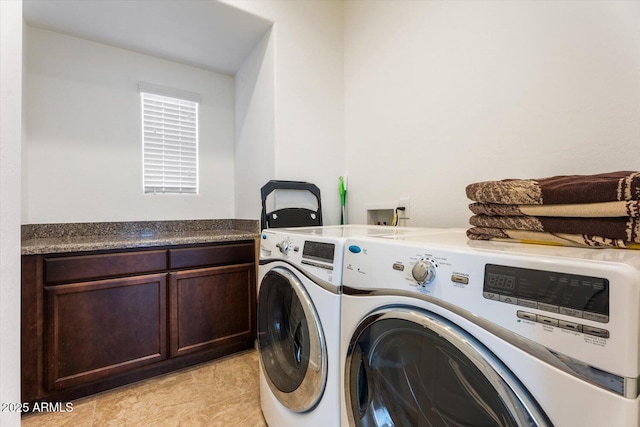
(414, 368)
(290, 341)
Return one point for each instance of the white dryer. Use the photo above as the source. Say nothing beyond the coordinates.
(299, 290)
(438, 330)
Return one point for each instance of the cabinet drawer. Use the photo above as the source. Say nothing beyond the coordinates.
(211, 255)
(74, 268)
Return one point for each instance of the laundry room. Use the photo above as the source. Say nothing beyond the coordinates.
(409, 102)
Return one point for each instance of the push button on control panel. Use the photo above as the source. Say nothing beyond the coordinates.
(527, 316)
(595, 317)
(570, 326)
(459, 278)
(398, 266)
(598, 332)
(547, 320)
(508, 299)
(491, 295)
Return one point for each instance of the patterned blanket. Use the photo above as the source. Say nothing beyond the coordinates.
(625, 229)
(567, 189)
(600, 210)
(543, 238)
(630, 208)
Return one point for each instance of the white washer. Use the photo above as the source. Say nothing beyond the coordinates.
(438, 330)
(299, 290)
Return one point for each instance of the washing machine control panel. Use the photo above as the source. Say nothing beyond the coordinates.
(574, 295)
(320, 257)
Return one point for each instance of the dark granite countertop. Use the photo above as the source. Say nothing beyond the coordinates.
(79, 237)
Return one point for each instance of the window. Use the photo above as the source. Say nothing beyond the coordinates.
(169, 140)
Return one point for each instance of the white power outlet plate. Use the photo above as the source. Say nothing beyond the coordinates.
(406, 213)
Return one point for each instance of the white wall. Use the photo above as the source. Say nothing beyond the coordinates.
(442, 94)
(308, 92)
(10, 155)
(255, 127)
(83, 129)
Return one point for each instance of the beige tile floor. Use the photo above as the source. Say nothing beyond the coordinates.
(220, 393)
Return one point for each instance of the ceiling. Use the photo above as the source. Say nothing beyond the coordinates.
(202, 33)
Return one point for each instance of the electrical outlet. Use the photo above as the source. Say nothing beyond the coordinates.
(406, 204)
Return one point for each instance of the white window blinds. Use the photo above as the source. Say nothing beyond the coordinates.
(170, 143)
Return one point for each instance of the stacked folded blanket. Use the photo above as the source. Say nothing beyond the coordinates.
(578, 210)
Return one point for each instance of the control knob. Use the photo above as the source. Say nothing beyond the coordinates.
(424, 272)
(285, 246)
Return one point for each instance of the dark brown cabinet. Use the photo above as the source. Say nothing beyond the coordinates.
(98, 329)
(194, 325)
(95, 321)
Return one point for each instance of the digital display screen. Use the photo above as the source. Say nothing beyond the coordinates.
(571, 291)
(318, 251)
(500, 281)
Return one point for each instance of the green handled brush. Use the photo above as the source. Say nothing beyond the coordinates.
(343, 198)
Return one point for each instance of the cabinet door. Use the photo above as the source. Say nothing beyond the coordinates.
(101, 328)
(211, 307)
